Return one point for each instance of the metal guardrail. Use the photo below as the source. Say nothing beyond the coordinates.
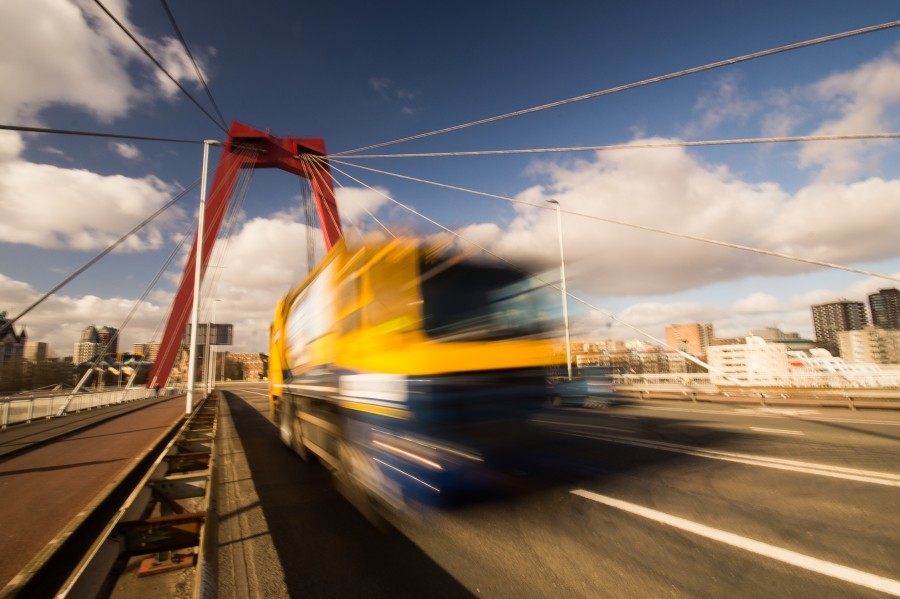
(23, 410)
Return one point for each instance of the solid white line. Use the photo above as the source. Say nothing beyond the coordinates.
(866, 476)
(777, 431)
(847, 574)
(811, 416)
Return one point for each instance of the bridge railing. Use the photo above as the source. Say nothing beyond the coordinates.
(16, 410)
(809, 380)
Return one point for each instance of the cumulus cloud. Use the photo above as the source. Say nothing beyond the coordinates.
(61, 53)
(51, 207)
(673, 191)
(861, 101)
(727, 102)
(44, 324)
(124, 150)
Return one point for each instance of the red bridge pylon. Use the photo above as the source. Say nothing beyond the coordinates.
(245, 147)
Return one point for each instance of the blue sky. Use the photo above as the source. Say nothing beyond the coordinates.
(359, 73)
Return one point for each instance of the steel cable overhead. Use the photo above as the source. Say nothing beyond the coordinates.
(159, 65)
(25, 129)
(737, 246)
(187, 50)
(612, 90)
(536, 277)
(641, 146)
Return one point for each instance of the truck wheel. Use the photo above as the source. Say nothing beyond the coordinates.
(291, 433)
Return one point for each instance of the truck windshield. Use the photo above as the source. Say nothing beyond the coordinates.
(467, 302)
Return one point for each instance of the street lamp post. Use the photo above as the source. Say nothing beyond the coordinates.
(562, 275)
(198, 262)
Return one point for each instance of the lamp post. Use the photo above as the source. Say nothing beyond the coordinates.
(562, 275)
(198, 262)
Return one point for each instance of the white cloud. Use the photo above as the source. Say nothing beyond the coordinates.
(728, 102)
(673, 191)
(62, 53)
(757, 303)
(124, 150)
(50, 207)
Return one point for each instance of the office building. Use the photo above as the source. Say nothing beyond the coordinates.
(885, 307)
(870, 345)
(829, 319)
(691, 338)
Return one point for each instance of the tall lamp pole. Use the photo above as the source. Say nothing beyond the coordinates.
(198, 261)
(562, 275)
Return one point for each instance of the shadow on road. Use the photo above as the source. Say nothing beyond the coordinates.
(326, 547)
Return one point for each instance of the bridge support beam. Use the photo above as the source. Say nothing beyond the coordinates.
(246, 147)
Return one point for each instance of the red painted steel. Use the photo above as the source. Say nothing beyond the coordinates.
(246, 147)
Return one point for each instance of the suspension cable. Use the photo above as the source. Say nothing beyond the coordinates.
(25, 129)
(194, 62)
(635, 84)
(642, 146)
(360, 204)
(536, 277)
(159, 65)
(746, 248)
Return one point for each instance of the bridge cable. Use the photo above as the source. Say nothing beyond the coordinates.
(25, 129)
(536, 277)
(161, 68)
(633, 85)
(359, 204)
(95, 364)
(746, 248)
(642, 146)
(94, 260)
(187, 50)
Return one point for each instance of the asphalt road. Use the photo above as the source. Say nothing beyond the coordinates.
(652, 499)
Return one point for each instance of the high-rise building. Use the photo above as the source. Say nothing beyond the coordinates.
(35, 351)
(885, 307)
(831, 318)
(149, 350)
(12, 345)
(108, 338)
(871, 345)
(691, 338)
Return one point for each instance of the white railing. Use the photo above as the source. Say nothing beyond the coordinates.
(14, 410)
(811, 380)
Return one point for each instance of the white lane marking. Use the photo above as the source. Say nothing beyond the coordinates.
(771, 413)
(845, 573)
(866, 476)
(776, 431)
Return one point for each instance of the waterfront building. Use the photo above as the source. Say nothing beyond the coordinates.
(791, 340)
(108, 338)
(833, 317)
(35, 351)
(871, 344)
(149, 350)
(12, 345)
(754, 362)
(692, 338)
(885, 308)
